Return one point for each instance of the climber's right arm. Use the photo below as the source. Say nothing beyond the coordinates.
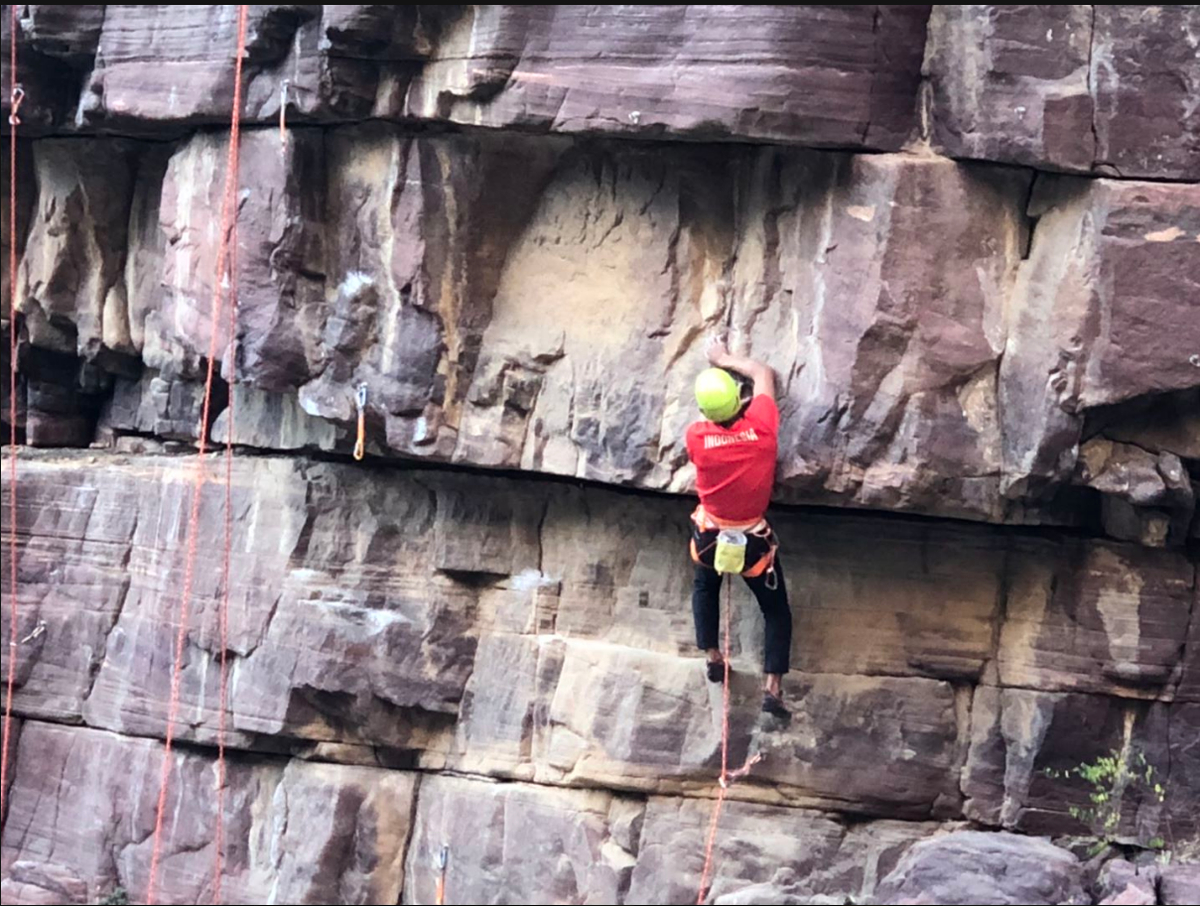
(762, 375)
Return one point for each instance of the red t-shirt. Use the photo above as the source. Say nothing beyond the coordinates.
(735, 466)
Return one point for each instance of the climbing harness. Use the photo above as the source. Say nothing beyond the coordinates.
(729, 550)
(17, 95)
(360, 402)
(714, 539)
(224, 259)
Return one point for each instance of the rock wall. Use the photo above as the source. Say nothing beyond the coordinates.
(966, 238)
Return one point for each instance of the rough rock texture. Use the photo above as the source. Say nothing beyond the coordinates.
(912, 381)
(844, 76)
(531, 631)
(767, 855)
(373, 614)
(966, 238)
(1180, 885)
(1122, 882)
(1087, 301)
(521, 843)
(296, 832)
(973, 867)
(835, 76)
(1078, 88)
(1023, 742)
(1097, 617)
(1110, 89)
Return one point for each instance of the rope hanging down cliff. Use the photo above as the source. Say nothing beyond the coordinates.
(16, 95)
(229, 209)
(223, 259)
(727, 777)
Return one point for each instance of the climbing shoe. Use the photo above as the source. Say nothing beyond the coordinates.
(716, 671)
(774, 706)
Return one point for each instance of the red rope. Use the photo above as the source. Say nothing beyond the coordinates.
(727, 776)
(16, 95)
(228, 209)
(705, 876)
(706, 873)
(223, 612)
(230, 203)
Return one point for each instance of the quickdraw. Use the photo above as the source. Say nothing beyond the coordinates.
(283, 101)
(360, 402)
(443, 859)
(16, 97)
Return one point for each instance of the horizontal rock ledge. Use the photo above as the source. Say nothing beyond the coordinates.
(492, 291)
(540, 631)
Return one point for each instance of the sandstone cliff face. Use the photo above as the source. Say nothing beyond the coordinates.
(966, 238)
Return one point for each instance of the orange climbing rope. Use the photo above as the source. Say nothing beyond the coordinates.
(16, 96)
(727, 777)
(223, 612)
(723, 780)
(229, 205)
(228, 209)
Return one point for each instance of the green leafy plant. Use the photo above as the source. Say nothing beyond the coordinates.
(117, 898)
(1110, 777)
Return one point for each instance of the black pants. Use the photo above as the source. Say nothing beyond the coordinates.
(773, 602)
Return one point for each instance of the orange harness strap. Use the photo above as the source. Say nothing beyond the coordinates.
(706, 522)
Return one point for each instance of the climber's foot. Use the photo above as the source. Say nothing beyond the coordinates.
(716, 671)
(773, 705)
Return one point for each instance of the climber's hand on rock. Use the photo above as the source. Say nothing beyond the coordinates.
(759, 373)
(717, 351)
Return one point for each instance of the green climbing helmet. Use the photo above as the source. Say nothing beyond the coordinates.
(718, 394)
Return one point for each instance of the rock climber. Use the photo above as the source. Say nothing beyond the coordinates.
(734, 448)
